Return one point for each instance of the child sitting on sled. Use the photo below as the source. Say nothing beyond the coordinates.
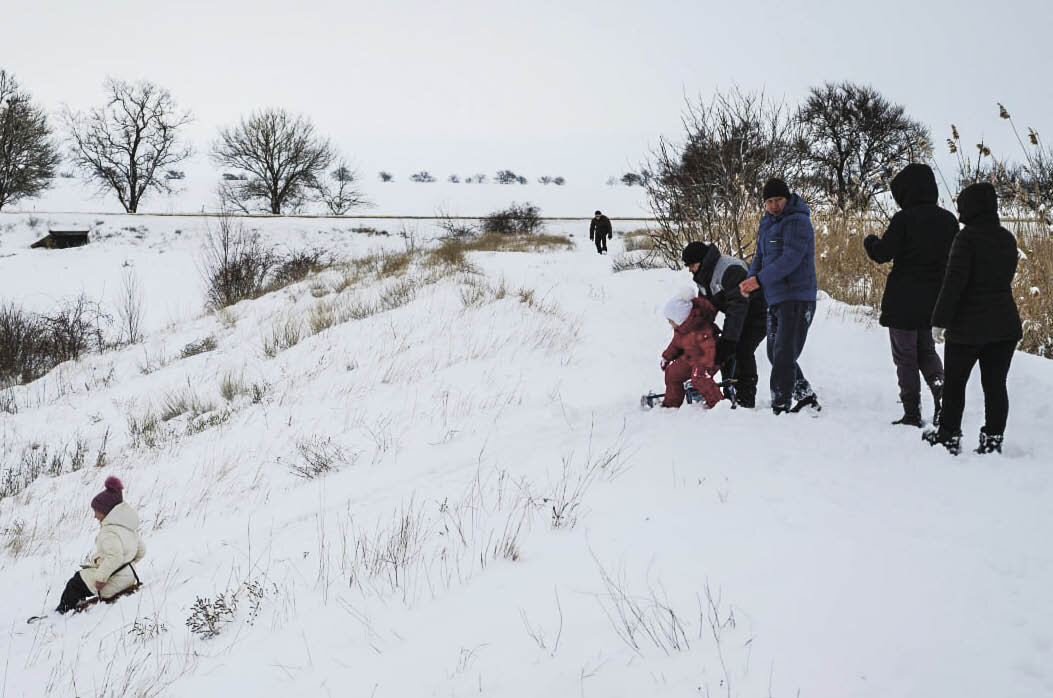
(692, 352)
(108, 571)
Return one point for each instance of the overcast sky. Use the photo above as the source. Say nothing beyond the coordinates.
(581, 89)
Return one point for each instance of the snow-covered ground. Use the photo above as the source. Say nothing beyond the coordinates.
(501, 518)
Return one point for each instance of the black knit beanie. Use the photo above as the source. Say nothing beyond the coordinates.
(775, 187)
(694, 253)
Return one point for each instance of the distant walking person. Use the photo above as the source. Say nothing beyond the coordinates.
(718, 277)
(977, 309)
(600, 231)
(917, 242)
(783, 268)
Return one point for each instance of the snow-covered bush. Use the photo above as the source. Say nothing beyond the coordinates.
(32, 344)
(517, 219)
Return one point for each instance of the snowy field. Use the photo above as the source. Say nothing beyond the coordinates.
(499, 517)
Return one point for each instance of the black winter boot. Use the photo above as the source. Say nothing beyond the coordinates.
(936, 386)
(910, 419)
(952, 442)
(989, 443)
(807, 401)
(911, 414)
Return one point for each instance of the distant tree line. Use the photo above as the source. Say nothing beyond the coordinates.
(840, 147)
(501, 177)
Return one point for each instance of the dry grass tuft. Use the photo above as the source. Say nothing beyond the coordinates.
(285, 333)
(1033, 287)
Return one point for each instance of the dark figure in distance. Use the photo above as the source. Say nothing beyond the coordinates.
(600, 231)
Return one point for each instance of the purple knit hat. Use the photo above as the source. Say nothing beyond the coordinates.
(110, 497)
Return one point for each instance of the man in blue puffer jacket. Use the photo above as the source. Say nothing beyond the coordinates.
(783, 269)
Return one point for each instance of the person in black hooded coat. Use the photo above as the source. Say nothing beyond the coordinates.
(917, 242)
(977, 308)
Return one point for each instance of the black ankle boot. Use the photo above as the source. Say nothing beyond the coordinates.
(910, 419)
(936, 386)
(989, 443)
(911, 413)
(952, 442)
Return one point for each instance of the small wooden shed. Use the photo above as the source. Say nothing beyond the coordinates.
(61, 239)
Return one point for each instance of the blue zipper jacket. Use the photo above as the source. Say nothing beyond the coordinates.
(784, 263)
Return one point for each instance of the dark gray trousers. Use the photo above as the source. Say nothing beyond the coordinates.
(914, 351)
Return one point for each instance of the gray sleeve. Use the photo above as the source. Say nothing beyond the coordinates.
(737, 305)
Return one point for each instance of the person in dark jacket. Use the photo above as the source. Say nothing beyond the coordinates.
(783, 268)
(982, 324)
(600, 231)
(745, 319)
(917, 242)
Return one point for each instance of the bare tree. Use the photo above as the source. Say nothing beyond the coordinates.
(235, 263)
(386, 176)
(126, 145)
(28, 157)
(282, 153)
(709, 188)
(853, 140)
(343, 194)
(130, 308)
(422, 176)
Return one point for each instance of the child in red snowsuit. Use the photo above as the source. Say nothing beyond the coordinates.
(692, 352)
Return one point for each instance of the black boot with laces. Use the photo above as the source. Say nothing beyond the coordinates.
(952, 442)
(936, 387)
(989, 443)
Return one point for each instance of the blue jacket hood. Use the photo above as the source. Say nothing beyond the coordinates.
(794, 205)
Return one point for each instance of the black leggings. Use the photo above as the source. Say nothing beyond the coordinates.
(75, 592)
(958, 362)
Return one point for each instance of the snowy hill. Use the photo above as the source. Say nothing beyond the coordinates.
(490, 512)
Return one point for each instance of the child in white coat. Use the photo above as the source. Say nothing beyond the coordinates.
(108, 571)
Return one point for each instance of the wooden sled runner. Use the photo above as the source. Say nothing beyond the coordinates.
(89, 602)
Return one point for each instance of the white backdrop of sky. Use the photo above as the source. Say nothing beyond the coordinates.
(577, 88)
